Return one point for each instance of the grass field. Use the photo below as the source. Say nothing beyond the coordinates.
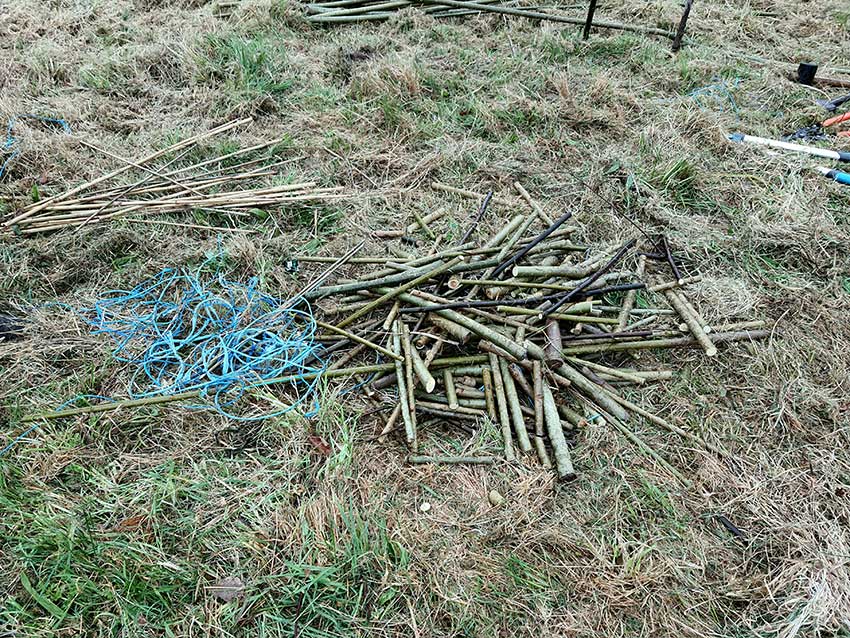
(124, 524)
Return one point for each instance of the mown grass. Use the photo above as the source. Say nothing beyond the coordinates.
(122, 525)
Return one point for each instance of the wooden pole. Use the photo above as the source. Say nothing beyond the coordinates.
(680, 31)
(591, 9)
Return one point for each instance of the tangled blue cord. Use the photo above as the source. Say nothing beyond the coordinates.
(719, 92)
(219, 338)
(11, 141)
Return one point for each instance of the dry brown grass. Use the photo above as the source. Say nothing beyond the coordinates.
(383, 109)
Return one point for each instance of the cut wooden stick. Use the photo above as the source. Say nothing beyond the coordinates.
(692, 322)
(487, 381)
(401, 373)
(446, 188)
(514, 407)
(674, 284)
(553, 344)
(438, 270)
(449, 383)
(539, 418)
(502, 405)
(560, 449)
(534, 205)
(417, 364)
(631, 297)
(389, 426)
(357, 339)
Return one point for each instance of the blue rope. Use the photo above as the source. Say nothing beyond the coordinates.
(219, 338)
(718, 92)
(11, 142)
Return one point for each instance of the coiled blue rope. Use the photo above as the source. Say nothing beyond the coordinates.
(217, 337)
(10, 144)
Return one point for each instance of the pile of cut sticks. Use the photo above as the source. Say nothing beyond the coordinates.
(228, 184)
(527, 330)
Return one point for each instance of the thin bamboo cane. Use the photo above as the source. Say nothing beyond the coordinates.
(28, 212)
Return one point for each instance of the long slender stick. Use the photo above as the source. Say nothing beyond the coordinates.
(455, 460)
(451, 393)
(670, 427)
(531, 245)
(647, 449)
(674, 342)
(674, 284)
(534, 205)
(514, 407)
(390, 424)
(487, 381)
(440, 269)
(502, 405)
(481, 330)
(417, 364)
(614, 372)
(358, 339)
(32, 210)
(587, 282)
(474, 224)
(680, 31)
(403, 390)
(446, 188)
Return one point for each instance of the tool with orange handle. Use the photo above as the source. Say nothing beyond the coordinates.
(838, 119)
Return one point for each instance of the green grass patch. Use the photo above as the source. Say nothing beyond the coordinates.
(248, 66)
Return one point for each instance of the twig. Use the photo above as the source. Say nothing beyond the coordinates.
(464, 460)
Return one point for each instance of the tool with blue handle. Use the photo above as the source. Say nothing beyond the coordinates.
(839, 156)
(831, 173)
